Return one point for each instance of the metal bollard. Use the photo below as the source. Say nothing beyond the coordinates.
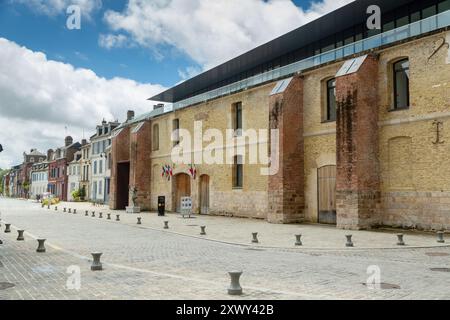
(96, 264)
(48, 207)
(41, 246)
(109, 216)
(56, 208)
(20, 236)
(70, 210)
(65, 210)
(400, 241)
(440, 236)
(255, 237)
(7, 228)
(203, 230)
(349, 241)
(139, 220)
(235, 288)
(86, 213)
(298, 240)
(117, 217)
(93, 214)
(166, 224)
(100, 215)
(74, 211)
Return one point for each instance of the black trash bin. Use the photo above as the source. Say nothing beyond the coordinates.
(161, 206)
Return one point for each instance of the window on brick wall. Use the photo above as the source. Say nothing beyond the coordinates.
(176, 131)
(155, 137)
(237, 118)
(331, 100)
(238, 173)
(401, 84)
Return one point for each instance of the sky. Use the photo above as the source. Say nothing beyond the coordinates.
(55, 81)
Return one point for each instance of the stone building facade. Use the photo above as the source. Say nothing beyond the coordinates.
(362, 138)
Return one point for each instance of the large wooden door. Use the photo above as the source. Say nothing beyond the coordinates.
(327, 194)
(122, 187)
(204, 194)
(182, 189)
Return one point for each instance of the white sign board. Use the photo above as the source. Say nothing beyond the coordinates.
(186, 206)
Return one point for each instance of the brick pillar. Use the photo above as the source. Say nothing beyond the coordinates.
(120, 152)
(357, 181)
(140, 165)
(286, 188)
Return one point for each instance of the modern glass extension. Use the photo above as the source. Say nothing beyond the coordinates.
(417, 28)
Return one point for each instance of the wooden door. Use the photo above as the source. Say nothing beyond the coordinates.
(182, 188)
(327, 194)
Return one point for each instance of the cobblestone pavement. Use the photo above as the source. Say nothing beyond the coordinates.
(144, 263)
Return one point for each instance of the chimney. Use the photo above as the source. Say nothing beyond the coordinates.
(130, 115)
(49, 154)
(68, 141)
(83, 142)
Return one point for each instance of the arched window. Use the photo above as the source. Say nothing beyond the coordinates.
(401, 84)
(155, 140)
(331, 101)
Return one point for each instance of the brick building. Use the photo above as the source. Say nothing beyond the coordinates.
(361, 118)
(57, 168)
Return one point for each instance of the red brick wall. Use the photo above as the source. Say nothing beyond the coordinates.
(120, 152)
(286, 188)
(357, 181)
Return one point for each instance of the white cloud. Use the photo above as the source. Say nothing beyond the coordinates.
(56, 7)
(38, 97)
(109, 41)
(212, 32)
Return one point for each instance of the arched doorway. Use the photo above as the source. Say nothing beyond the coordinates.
(182, 188)
(326, 184)
(204, 194)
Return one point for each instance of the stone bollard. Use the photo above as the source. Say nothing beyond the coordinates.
(349, 241)
(20, 236)
(41, 246)
(56, 208)
(117, 217)
(65, 210)
(70, 210)
(1, 242)
(7, 228)
(400, 241)
(166, 224)
(440, 236)
(298, 240)
(139, 220)
(235, 288)
(255, 237)
(96, 264)
(93, 214)
(86, 213)
(74, 211)
(109, 216)
(100, 215)
(203, 230)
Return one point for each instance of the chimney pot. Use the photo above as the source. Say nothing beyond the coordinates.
(130, 115)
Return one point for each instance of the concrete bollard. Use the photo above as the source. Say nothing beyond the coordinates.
(139, 220)
(41, 246)
(70, 210)
(96, 264)
(117, 217)
(100, 215)
(349, 241)
(235, 288)
(109, 216)
(86, 213)
(74, 211)
(440, 236)
(20, 236)
(255, 237)
(298, 240)
(400, 241)
(7, 228)
(93, 214)
(65, 210)
(203, 230)
(166, 224)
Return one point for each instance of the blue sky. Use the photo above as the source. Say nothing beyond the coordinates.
(48, 34)
(55, 81)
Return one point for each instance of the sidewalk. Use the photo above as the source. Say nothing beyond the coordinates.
(239, 231)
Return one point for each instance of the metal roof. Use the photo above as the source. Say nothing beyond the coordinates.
(328, 25)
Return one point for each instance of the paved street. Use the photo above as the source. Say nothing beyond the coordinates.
(142, 262)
